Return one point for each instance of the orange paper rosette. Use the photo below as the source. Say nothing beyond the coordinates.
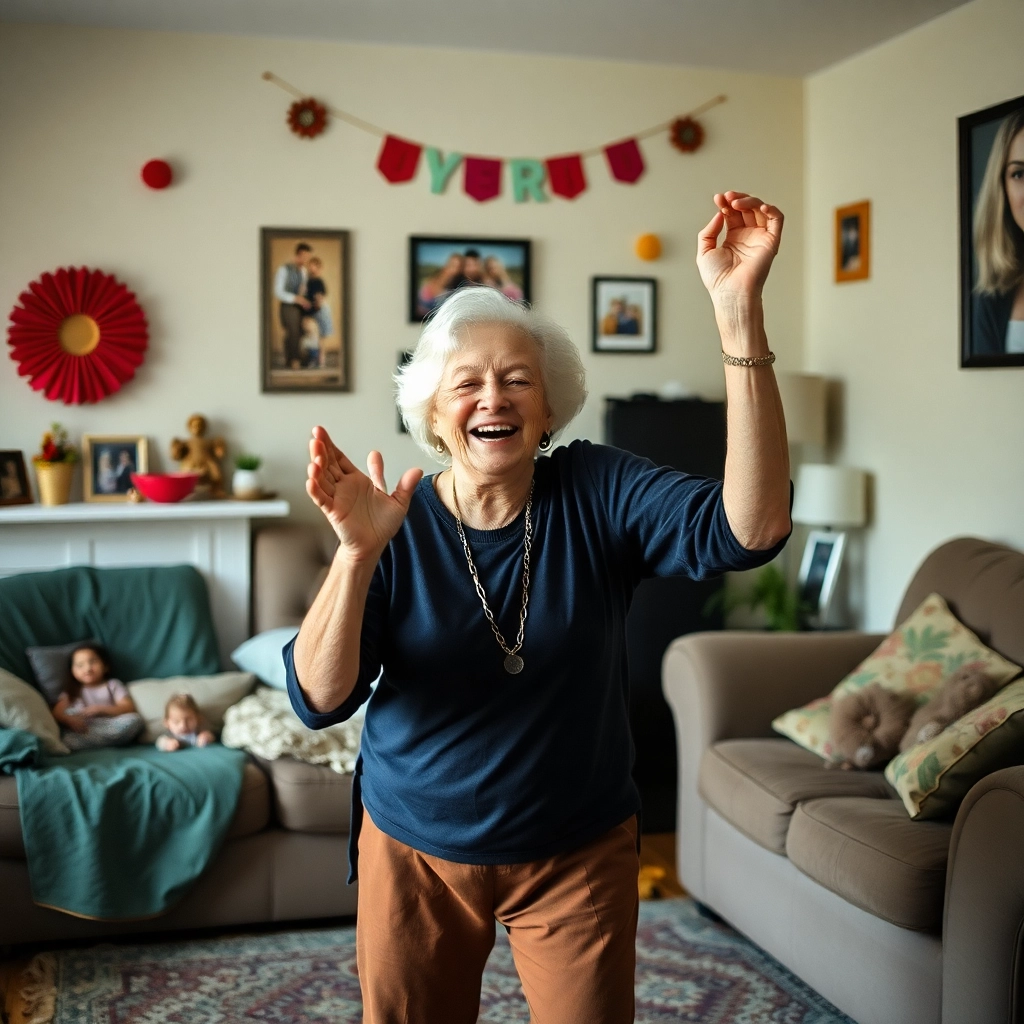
(78, 335)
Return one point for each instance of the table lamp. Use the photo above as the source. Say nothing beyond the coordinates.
(830, 497)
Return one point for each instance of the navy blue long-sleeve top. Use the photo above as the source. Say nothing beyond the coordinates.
(463, 761)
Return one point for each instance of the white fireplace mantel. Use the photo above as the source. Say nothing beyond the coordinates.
(214, 536)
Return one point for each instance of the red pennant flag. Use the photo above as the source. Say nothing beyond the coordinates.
(625, 160)
(565, 175)
(398, 159)
(482, 178)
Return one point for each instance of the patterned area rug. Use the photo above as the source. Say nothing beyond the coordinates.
(688, 969)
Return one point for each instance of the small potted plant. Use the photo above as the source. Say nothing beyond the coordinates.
(246, 482)
(55, 466)
(783, 611)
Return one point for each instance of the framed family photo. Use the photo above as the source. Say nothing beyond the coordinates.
(440, 265)
(819, 570)
(992, 236)
(304, 318)
(108, 461)
(14, 486)
(624, 314)
(853, 242)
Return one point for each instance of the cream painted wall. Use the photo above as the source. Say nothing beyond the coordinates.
(945, 445)
(81, 110)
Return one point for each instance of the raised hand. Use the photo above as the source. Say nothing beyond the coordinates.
(738, 268)
(358, 506)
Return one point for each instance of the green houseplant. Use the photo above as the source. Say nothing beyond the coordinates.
(771, 592)
(246, 482)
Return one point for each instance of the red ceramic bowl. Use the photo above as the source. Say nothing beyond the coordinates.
(165, 487)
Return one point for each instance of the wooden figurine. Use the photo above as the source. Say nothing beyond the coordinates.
(199, 454)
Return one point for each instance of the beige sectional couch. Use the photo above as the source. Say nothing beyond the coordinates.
(895, 921)
(285, 858)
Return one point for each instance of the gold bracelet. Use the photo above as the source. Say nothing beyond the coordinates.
(748, 360)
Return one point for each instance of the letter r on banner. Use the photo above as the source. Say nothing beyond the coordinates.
(528, 181)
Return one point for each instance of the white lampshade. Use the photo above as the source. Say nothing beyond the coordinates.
(830, 496)
(803, 402)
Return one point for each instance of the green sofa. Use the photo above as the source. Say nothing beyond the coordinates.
(156, 623)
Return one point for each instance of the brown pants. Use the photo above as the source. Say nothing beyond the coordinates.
(425, 927)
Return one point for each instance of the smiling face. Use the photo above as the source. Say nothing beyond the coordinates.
(490, 409)
(1013, 179)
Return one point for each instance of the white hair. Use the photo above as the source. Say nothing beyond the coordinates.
(565, 383)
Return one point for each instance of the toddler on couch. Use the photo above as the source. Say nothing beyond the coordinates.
(183, 725)
(96, 711)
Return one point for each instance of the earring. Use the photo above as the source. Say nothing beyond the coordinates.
(545, 441)
(440, 448)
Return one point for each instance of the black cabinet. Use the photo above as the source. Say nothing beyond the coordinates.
(688, 435)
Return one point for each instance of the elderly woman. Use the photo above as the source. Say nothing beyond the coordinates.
(494, 780)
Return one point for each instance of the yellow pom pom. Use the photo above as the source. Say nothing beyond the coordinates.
(648, 247)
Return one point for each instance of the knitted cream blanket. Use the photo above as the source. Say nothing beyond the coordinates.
(265, 725)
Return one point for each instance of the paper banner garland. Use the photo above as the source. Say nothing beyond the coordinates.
(565, 175)
(482, 178)
(78, 335)
(530, 179)
(398, 159)
(625, 161)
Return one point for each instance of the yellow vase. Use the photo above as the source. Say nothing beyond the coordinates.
(54, 479)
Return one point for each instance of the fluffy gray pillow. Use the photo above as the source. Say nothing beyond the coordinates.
(52, 668)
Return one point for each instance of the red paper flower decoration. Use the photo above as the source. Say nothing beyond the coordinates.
(307, 118)
(78, 335)
(687, 135)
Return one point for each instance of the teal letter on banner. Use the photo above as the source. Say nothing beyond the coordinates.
(441, 168)
(528, 181)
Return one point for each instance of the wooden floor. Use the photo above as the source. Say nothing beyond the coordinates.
(657, 876)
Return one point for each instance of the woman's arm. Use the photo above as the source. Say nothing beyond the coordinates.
(756, 489)
(365, 518)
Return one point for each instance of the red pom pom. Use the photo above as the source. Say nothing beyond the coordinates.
(157, 174)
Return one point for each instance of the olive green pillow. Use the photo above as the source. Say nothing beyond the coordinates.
(933, 777)
(916, 657)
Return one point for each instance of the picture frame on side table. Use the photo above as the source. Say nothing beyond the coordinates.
(14, 485)
(108, 460)
(853, 242)
(991, 143)
(819, 570)
(440, 265)
(624, 314)
(304, 309)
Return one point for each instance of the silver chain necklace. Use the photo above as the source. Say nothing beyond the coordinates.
(513, 663)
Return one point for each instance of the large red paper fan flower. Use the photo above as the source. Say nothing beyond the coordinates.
(78, 335)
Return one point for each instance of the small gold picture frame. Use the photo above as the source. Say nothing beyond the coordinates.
(853, 242)
(108, 460)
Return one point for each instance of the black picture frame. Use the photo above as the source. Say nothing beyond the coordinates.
(14, 486)
(287, 365)
(981, 316)
(429, 253)
(635, 333)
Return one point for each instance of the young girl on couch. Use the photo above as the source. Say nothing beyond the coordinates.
(96, 711)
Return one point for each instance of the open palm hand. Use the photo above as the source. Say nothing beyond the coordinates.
(738, 267)
(358, 506)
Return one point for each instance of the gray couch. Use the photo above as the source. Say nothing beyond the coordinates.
(894, 921)
(285, 858)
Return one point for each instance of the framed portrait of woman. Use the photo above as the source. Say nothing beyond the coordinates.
(992, 236)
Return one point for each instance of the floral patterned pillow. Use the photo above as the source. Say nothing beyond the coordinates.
(933, 777)
(917, 656)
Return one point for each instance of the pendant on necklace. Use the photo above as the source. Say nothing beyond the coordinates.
(513, 664)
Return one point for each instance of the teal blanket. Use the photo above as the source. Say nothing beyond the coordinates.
(120, 834)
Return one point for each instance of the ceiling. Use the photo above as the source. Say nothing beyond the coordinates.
(785, 37)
